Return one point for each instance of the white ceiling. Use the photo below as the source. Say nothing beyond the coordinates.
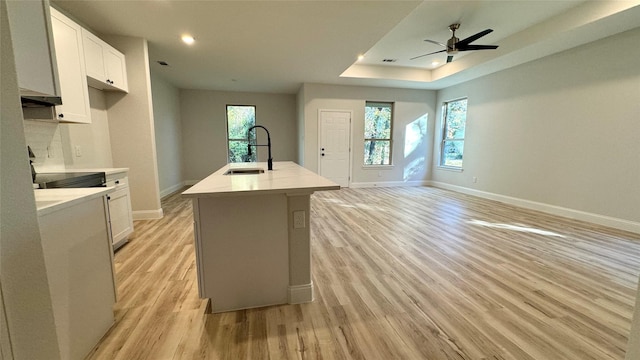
(275, 46)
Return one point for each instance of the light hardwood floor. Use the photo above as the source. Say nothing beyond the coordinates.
(399, 273)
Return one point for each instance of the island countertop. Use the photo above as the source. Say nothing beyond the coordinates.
(286, 177)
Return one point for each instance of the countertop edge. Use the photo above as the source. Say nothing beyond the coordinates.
(279, 182)
(292, 191)
(64, 198)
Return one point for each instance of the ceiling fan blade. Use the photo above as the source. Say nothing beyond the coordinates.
(477, 47)
(413, 58)
(449, 58)
(473, 37)
(435, 42)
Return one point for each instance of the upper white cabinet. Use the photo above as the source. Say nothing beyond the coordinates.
(67, 36)
(32, 39)
(106, 67)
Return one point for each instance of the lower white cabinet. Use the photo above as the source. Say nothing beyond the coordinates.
(78, 258)
(120, 214)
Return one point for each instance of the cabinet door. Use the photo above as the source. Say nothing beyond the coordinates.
(120, 214)
(93, 58)
(31, 35)
(67, 37)
(116, 68)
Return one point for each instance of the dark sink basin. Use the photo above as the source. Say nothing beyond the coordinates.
(245, 171)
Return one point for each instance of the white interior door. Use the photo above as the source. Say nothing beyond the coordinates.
(334, 142)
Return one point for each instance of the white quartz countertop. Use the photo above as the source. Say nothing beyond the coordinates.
(286, 177)
(50, 200)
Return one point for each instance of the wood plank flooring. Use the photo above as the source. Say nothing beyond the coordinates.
(399, 273)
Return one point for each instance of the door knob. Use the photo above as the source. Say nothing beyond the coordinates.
(322, 154)
(322, 149)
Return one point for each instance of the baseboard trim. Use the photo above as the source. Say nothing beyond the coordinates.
(148, 214)
(299, 294)
(170, 190)
(616, 223)
(388, 184)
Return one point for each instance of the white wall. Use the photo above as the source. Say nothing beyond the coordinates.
(300, 124)
(168, 128)
(409, 105)
(93, 139)
(25, 298)
(204, 129)
(561, 131)
(131, 127)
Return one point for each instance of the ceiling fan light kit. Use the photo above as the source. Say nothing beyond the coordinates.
(454, 45)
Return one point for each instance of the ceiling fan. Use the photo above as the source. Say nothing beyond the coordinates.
(454, 44)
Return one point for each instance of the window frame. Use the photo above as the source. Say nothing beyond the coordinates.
(245, 140)
(443, 137)
(391, 105)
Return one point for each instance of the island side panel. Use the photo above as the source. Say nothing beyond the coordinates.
(244, 250)
(198, 246)
(300, 283)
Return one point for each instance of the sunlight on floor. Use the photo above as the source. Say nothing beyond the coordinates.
(517, 227)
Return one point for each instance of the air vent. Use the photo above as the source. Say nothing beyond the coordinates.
(163, 63)
(389, 60)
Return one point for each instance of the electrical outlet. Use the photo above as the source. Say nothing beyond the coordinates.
(298, 219)
(78, 151)
(475, 179)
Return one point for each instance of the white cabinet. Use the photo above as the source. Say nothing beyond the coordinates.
(67, 36)
(32, 39)
(79, 263)
(106, 67)
(120, 214)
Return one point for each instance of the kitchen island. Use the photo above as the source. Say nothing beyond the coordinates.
(252, 234)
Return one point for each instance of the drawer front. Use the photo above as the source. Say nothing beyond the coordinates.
(118, 182)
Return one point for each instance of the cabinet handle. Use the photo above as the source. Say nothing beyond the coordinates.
(117, 182)
(60, 115)
(108, 197)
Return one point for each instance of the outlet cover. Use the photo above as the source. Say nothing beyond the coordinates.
(298, 219)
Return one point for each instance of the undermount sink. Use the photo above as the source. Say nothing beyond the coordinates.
(244, 171)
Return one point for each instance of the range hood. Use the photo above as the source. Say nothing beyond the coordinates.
(33, 99)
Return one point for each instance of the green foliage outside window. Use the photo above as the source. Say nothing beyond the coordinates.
(377, 133)
(455, 119)
(239, 119)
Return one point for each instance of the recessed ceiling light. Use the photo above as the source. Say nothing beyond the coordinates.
(435, 63)
(188, 39)
(360, 57)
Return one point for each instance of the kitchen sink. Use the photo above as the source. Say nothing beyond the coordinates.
(244, 171)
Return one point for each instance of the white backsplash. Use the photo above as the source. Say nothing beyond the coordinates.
(46, 143)
(72, 146)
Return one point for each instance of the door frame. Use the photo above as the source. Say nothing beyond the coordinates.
(319, 129)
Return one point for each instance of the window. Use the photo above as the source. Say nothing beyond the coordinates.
(378, 118)
(239, 119)
(454, 121)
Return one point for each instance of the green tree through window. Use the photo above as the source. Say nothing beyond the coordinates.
(377, 133)
(454, 123)
(239, 119)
